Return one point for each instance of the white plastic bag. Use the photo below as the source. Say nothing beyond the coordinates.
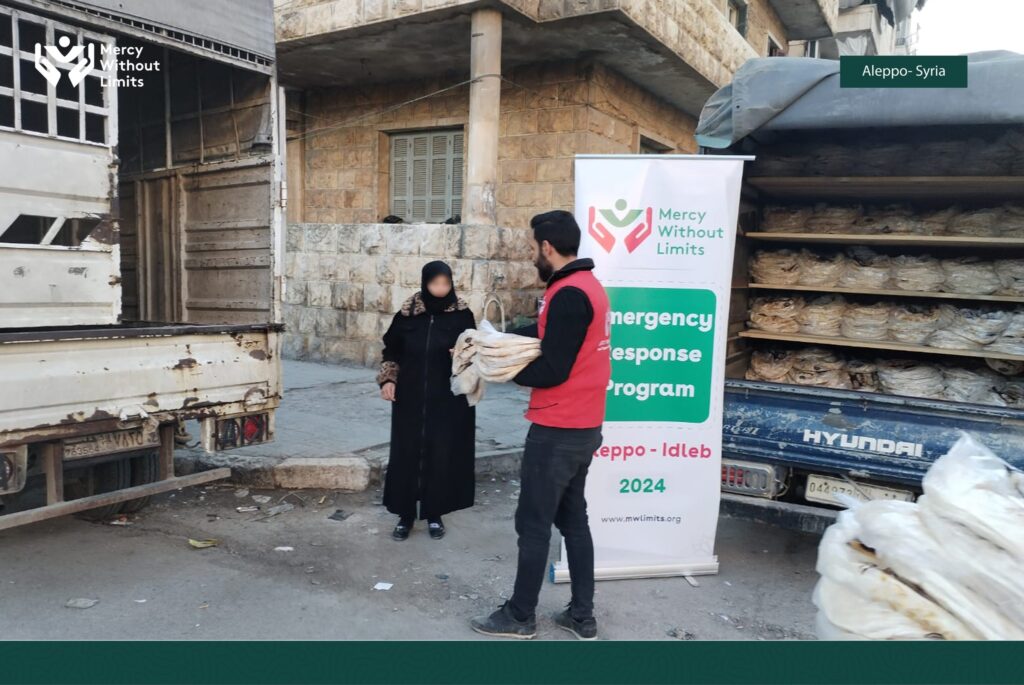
(949, 566)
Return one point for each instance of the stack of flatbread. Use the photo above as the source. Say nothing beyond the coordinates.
(484, 356)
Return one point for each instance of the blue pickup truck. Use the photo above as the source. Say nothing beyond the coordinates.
(911, 179)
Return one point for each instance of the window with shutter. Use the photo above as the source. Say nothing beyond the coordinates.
(426, 175)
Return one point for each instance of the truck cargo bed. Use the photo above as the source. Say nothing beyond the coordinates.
(68, 381)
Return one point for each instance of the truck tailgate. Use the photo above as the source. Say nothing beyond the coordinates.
(870, 436)
(58, 380)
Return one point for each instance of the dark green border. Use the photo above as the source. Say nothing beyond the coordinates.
(458, 663)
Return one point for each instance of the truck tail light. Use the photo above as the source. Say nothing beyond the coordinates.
(13, 468)
(751, 478)
(239, 431)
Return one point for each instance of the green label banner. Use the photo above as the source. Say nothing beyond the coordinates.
(903, 72)
(662, 349)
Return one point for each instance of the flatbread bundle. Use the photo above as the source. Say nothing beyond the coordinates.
(774, 268)
(822, 316)
(820, 270)
(917, 273)
(970, 276)
(486, 356)
(776, 314)
(783, 219)
(866, 321)
(866, 270)
(770, 365)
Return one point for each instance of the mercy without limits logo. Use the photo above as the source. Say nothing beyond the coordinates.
(638, 223)
(81, 60)
(678, 232)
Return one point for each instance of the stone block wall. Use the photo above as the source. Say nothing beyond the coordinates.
(549, 113)
(346, 165)
(345, 282)
(762, 21)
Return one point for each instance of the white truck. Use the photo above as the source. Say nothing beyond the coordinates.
(141, 197)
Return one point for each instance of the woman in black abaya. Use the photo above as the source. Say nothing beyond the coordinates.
(433, 439)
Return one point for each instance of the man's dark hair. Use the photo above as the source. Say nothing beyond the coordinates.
(560, 229)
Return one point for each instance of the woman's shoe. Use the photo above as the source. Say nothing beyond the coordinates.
(436, 529)
(402, 530)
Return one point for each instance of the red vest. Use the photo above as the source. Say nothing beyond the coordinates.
(580, 401)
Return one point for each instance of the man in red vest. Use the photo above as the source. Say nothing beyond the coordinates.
(569, 382)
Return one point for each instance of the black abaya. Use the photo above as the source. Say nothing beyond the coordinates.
(433, 440)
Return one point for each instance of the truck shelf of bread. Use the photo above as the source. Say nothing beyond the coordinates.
(906, 284)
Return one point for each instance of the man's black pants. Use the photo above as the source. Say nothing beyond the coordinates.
(554, 475)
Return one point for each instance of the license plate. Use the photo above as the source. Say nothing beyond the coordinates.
(823, 489)
(110, 443)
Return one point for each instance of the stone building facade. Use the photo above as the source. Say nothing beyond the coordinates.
(527, 84)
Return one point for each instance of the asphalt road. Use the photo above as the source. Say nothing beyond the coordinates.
(151, 584)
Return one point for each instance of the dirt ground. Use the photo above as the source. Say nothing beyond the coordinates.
(301, 575)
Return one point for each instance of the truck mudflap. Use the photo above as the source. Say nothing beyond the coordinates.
(873, 437)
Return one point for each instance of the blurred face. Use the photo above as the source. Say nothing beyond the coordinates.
(440, 286)
(545, 269)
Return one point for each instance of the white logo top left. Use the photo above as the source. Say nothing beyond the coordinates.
(81, 59)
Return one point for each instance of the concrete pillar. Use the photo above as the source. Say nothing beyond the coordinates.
(484, 109)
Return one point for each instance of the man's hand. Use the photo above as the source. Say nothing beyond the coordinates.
(387, 392)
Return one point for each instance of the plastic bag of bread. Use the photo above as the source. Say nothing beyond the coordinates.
(770, 365)
(785, 219)
(918, 273)
(911, 378)
(865, 270)
(866, 321)
(822, 315)
(777, 267)
(913, 323)
(822, 270)
(946, 567)
(982, 223)
(970, 276)
(1011, 276)
(834, 218)
(776, 314)
(863, 375)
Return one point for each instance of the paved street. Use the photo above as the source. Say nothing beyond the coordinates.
(152, 585)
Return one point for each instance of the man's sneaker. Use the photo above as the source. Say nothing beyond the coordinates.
(583, 629)
(503, 624)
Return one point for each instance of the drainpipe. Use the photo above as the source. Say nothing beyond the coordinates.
(484, 109)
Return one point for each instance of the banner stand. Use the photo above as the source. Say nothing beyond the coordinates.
(661, 230)
(560, 571)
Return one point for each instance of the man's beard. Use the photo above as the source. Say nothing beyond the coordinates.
(544, 268)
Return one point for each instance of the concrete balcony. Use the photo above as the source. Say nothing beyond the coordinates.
(807, 19)
(679, 51)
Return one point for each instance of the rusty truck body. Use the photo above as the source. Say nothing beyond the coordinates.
(141, 198)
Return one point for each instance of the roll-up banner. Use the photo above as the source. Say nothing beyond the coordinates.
(661, 230)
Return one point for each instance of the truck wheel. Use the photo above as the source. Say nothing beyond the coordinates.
(144, 470)
(96, 480)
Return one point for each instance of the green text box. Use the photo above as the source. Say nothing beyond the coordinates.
(651, 386)
(903, 72)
